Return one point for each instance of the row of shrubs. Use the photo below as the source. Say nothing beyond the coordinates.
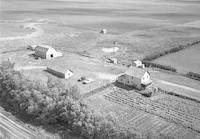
(193, 75)
(155, 65)
(55, 103)
(179, 95)
(172, 50)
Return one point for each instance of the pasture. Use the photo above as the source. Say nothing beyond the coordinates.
(185, 60)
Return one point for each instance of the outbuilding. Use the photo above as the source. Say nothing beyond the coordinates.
(103, 31)
(138, 64)
(46, 52)
(60, 72)
(136, 78)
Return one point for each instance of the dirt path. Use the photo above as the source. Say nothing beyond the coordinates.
(37, 31)
(29, 67)
(177, 85)
(14, 130)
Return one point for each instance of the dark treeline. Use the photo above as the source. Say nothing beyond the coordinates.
(57, 104)
(160, 66)
(171, 50)
(179, 95)
(193, 75)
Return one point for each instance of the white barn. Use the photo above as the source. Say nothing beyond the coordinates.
(60, 72)
(135, 77)
(46, 52)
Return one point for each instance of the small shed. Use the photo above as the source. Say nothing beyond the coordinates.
(60, 72)
(112, 60)
(103, 31)
(138, 64)
(135, 77)
(46, 52)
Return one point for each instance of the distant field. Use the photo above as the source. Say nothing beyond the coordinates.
(117, 16)
(12, 29)
(185, 60)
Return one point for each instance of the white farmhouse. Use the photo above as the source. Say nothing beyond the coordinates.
(46, 52)
(135, 77)
(60, 72)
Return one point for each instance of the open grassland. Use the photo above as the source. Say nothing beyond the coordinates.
(152, 26)
(185, 60)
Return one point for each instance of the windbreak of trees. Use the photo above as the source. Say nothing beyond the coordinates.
(55, 104)
(169, 51)
(193, 75)
(160, 66)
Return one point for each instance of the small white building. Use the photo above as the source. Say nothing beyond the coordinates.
(46, 52)
(112, 60)
(60, 72)
(135, 77)
(138, 64)
(103, 31)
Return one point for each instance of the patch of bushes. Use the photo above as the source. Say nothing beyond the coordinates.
(179, 95)
(193, 75)
(149, 91)
(55, 104)
(155, 65)
(172, 50)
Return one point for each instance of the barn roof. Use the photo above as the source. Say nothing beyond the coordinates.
(60, 69)
(135, 72)
(43, 48)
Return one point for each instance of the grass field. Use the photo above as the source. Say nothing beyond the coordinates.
(185, 60)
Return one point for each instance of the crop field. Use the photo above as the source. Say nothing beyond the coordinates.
(138, 121)
(179, 104)
(162, 113)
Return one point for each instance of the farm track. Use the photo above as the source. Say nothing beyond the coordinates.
(95, 91)
(15, 130)
(170, 114)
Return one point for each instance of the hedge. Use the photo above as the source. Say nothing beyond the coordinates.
(155, 65)
(179, 95)
(171, 50)
(193, 75)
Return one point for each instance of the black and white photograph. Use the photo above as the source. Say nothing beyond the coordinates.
(99, 69)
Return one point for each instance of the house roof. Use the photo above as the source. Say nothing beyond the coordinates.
(135, 72)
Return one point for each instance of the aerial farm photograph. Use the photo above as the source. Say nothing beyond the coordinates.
(99, 69)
